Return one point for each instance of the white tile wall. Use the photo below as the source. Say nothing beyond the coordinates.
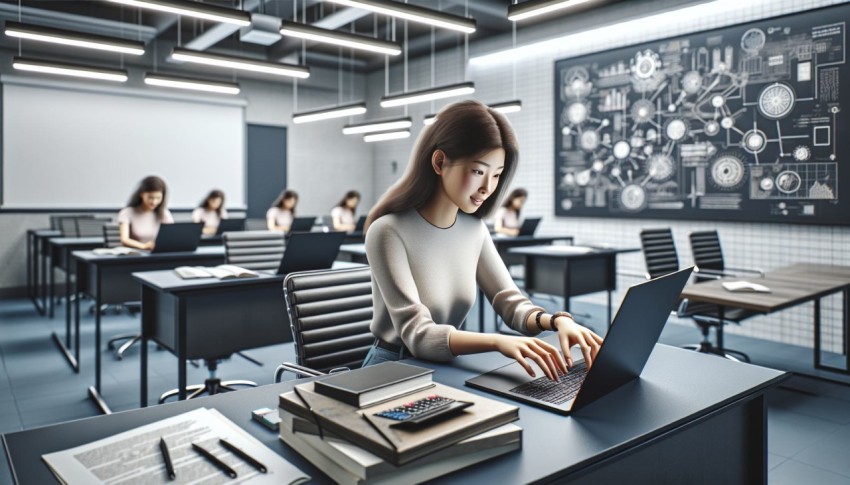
(765, 246)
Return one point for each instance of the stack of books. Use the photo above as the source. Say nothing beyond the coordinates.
(349, 426)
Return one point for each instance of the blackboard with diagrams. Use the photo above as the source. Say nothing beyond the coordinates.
(743, 123)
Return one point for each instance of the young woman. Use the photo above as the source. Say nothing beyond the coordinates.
(428, 248)
(211, 211)
(342, 214)
(507, 216)
(139, 222)
(281, 214)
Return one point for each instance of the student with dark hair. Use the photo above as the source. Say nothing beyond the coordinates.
(211, 211)
(139, 222)
(281, 214)
(507, 219)
(342, 215)
(429, 251)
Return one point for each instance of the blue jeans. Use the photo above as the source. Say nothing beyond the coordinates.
(377, 355)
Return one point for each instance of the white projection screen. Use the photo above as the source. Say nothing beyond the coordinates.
(67, 149)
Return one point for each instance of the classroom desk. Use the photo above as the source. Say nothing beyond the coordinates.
(108, 279)
(355, 253)
(504, 244)
(36, 266)
(790, 286)
(59, 251)
(571, 270)
(691, 418)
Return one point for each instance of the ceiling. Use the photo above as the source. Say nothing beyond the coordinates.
(165, 31)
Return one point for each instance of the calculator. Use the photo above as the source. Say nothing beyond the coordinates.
(423, 411)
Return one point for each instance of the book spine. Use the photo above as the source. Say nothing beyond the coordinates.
(337, 393)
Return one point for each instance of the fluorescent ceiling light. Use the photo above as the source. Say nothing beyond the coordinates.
(191, 84)
(302, 31)
(75, 39)
(414, 13)
(428, 95)
(507, 107)
(64, 69)
(533, 8)
(429, 119)
(378, 125)
(233, 62)
(387, 135)
(328, 113)
(192, 9)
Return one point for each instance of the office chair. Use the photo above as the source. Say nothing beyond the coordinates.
(708, 257)
(111, 235)
(659, 252)
(254, 250)
(329, 312)
(68, 225)
(112, 238)
(91, 226)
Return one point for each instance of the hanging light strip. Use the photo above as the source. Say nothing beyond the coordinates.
(378, 125)
(192, 9)
(429, 119)
(65, 69)
(533, 8)
(74, 39)
(191, 84)
(386, 135)
(328, 113)
(308, 32)
(428, 95)
(413, 13)
(233, 62)
(507, 107)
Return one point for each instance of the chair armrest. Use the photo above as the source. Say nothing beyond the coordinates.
(298, 370)
(709, 273)
(757, 271)
(633, 275)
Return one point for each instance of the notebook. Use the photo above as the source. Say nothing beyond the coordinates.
(307, 251)
(374, 384)
(178, 237)
(624, 353)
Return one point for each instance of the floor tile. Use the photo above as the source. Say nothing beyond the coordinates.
(792, 472)
(790, 433)
(831, 453)
(774, 460)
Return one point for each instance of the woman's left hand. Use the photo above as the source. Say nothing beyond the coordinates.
(571, 333)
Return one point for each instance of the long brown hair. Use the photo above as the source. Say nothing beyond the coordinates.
(462, 130)
(515, 194)
(149, 184)
(214, 194)
(286, 194)
(349, 195)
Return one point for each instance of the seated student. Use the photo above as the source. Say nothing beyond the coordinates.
(139, 222)
(506, 220)
(281, 214)
(211, 211)
(429, 251)
(342, 214)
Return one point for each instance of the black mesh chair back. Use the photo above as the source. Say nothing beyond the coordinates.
(111, 235)
(254, 250)
(705, 246)
(91, 226)
(659, 252)
(330, 312)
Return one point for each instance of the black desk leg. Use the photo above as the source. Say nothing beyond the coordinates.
(720, 312)
(29, 268)
(143, 391)
(816, 302)
(51, 287)
(65, 348)
(846, 325)
(40, 289)
(481, 311)
(181, 349)
(94, 392)
(609, 310)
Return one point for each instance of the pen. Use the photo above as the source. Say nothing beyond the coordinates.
(215, 461)
(241, 454)
(169, 467)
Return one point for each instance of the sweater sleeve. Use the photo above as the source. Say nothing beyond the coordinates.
(499, 288)
(411, 319)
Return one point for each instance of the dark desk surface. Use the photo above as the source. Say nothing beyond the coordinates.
(499, 239)
(168, 281)
(89, 257)
(358, 249)
(76, 241)
(569, 252)
(678, 386)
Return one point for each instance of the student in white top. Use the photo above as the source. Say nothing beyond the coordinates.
(281, 214)
(507, 216)
(211, 211)
(429, 251)
(342, 215)
(139, 222)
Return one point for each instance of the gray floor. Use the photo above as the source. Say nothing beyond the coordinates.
(809, 419)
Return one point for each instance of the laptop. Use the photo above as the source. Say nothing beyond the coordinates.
(230, 225)
(621, 359)
(310, 250)
(302, 224)
(360, 224)
(178, 237)
(528, 226)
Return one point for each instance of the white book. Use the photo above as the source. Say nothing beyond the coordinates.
(116, 251)
(222, 272)
(744, 287)
(352, 464)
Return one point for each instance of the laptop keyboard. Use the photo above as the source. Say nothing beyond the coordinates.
(552, 392)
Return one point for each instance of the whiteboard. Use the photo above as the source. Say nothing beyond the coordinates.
(89, 150)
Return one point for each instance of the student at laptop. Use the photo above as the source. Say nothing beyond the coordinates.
(281, 214)
(507, 216)
(138, 223)
(428, 248)
(342, 215)
(211, 211)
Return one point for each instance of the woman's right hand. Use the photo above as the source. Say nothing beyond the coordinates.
(547, 356)
(148, 245)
